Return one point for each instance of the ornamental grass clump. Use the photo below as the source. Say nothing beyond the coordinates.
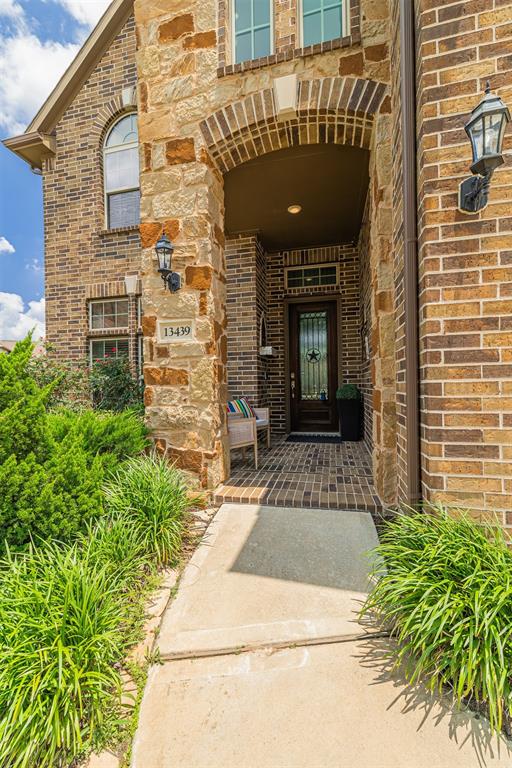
(63, 620)
(447, 597)
(152, 495)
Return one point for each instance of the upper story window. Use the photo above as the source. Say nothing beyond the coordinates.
(252, 29)
(121, 173)
(108, 314)
(323, 20)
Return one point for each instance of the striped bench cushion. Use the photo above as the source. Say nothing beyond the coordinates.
(242, 407)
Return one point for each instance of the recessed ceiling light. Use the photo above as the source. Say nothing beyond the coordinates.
(295, 208)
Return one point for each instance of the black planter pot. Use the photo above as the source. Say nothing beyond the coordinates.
(349, 412)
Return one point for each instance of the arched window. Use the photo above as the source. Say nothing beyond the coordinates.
(121, 173)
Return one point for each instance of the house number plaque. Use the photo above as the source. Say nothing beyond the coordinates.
(170, 331)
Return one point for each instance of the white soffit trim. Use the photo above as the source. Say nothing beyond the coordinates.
(286, 96)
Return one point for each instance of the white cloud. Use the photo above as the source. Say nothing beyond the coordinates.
(86, 12)
(16, 321)
(11, 9)
(30, 67)
(34, 265)
(5, 246)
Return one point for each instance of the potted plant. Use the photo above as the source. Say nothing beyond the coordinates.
(348, 398)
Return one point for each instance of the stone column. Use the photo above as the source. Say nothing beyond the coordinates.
(182, 194)
(383, 318)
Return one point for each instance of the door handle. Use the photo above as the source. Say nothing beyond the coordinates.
(292, 384)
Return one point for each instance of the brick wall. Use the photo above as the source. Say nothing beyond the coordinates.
(82, 260)
(465, 262)
(245, 304)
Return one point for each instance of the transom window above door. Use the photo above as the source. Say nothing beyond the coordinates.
(121, 173)
(252, 22)
(323, 20)
(312, 277)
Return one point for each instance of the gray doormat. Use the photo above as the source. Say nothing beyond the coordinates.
(327, 439)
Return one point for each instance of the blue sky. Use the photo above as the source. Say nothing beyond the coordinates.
(38, 40)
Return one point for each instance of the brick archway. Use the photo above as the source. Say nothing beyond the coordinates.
(338, 110)
(331, 110)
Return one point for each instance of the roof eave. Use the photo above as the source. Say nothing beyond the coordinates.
(32, 147)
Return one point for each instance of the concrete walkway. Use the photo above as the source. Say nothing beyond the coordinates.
(265, 664)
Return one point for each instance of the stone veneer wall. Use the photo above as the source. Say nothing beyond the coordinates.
(342, 99)
(365, 324)
(402, 447)
(465, 262)
(82, 260)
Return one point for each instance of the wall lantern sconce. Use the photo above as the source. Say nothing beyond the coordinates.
(485, 128)
(164, 250)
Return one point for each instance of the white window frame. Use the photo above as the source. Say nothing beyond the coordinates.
(105, 340)
(105, 301)
(302, 267)
(111, 150)
(233, 31)
(345, 21)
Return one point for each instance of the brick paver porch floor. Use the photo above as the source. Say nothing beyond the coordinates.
(315, 475)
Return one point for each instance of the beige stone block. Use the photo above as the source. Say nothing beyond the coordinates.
(203, 329)
(186, 349)
(179, 88)
(174, 204)
(202, 381)
(160, 182)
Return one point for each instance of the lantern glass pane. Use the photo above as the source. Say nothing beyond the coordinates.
(164, 258)
(502, 133)
(477, 139)
(492, 134)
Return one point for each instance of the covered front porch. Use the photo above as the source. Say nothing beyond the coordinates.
(309, 474)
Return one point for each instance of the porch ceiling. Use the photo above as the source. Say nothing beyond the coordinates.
(329, 182)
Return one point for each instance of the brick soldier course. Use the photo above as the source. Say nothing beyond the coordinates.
(200, 115)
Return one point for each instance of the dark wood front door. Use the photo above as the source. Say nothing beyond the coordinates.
(313, 367)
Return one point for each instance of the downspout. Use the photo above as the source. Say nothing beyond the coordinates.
(408, 101)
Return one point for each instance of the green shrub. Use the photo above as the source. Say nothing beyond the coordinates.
(53, 465)
(62, 636)
(447, 595)
(69, 380)
(114, 436)
(153, 495)
(49, 499)
(113, 386)
(69, 613)
(348, 392)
